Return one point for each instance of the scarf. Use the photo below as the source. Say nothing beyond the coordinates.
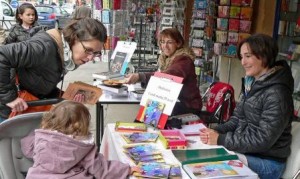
(69, 64)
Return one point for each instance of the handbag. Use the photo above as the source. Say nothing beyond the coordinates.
(27, 96)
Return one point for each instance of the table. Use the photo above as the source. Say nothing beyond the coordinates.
(109, 98)
(112, 143)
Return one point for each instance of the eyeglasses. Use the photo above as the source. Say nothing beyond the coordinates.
(169, 42)
(90, 52)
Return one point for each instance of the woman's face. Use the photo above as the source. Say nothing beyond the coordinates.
(168, 46)
(252, 65)
(85, 51)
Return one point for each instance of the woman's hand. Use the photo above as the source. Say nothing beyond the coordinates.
(17, 105)
(134, 169)
(79, 98)
(209, 136)
(132, 78)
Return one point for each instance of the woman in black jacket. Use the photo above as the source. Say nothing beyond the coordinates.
(260, 127)
(42, 61)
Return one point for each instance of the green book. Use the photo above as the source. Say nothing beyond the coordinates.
(203, 155)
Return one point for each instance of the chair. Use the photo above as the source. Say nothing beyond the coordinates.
(13, 165)
(219, 103)
(292, 170)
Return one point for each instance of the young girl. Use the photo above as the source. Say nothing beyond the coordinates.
(26, 26)
(64, 148)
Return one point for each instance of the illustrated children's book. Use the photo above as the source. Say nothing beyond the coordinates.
(146, 159)
(210, 170)
(140, 137)
(175, 172)
(130, 127)
(152, 112)
(153, 170)
(141, 150)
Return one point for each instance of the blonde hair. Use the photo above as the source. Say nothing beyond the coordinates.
(68, 117)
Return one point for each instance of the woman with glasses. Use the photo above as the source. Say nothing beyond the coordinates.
(178, 60)
(43, 60)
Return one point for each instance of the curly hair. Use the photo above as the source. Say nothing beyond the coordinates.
(172, 33)
(68, 117)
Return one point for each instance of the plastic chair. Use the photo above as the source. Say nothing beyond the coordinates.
(292, 170)
(13, 164)
(219, 103)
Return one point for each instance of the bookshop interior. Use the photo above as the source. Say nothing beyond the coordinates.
(163, 145)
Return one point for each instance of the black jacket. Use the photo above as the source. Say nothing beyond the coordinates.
(18, 34)
(38, 64)
(261, 122)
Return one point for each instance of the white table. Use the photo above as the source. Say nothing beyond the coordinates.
(112, 142)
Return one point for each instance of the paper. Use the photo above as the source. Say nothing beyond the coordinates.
(192, 129)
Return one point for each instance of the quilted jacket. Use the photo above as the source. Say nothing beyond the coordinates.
(261, 122)
(39, 66)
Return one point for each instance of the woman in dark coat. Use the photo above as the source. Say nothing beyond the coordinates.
(260, 127)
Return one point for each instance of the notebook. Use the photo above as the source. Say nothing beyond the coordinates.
(119, 61)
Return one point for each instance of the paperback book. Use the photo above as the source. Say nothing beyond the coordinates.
(130, 127)
(140, 137)
(153, 170)
(152, 112)
(210, 170)
(141, 150)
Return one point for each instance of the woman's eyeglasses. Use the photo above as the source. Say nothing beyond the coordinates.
(90, 52)
(169, 42)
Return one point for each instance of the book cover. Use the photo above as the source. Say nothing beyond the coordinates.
(141, 150)
(175, 172)
(203, 155)
(233, 37)
(152, 112)
(222, 23)
(153, 170)
(234, 25)
(130, 127)
(140, 137)
(235, 12)
(172, 139)
(210, 170)
(245, 26)
(236, 2)
(246, 13)
(91, 93)
(223, 11)
(146, 159)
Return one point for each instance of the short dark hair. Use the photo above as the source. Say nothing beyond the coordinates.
(174, 34)
(21, 9)
(84, 29)
(263, 46)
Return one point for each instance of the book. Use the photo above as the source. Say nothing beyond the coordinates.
(175, 172)
(91, 93)
(140, 137)
(130, 127)
(153, 170)
(141, 150)
(152, 112)
(218, 169)
(203, 155)
(172, 139)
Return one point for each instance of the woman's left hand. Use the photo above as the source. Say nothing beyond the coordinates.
(209, 136)
(79, 98)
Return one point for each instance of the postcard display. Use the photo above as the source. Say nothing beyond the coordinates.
(159, 99)
(201, 38)
(172, 14)
(233, 25)
(114, 15)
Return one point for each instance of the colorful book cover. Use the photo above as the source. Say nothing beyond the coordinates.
(201, 4)
(175, 172)
(221, 36)
(235, 12)
(224, 2)
(245, 26)
(152, 112)
(210, 170)
(140, 137)
(106, 18)
(200, 14)
(246, 13)
(222, 23)
(235, 2)
(141, 150)
(233, 37)
(158, 158)
(130, 127)
(203, 155)
(223, 11)
(153, 170)
(234, 25)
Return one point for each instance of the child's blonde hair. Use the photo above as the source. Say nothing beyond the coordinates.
(68, 117)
